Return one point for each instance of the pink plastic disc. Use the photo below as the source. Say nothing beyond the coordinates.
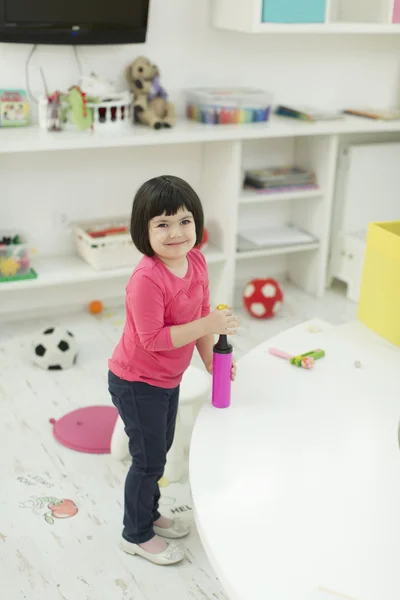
(87, 429)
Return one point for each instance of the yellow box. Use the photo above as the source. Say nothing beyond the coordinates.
(379, 306)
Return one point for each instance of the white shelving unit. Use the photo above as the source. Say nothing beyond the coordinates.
(212, 158)
(249, 196)
(65, 270)
(342, 17)
(309, 210)
(290, 249)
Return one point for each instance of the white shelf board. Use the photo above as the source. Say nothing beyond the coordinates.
(330, 28)
(252, 197)
(34, 139)
(277, 250)
(337, 28)
(71, 269)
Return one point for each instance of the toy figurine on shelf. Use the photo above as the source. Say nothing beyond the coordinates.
(54, 112)
(79, 113)
(14, 108)
(151, 106)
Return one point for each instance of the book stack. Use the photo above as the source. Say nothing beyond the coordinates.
(278, 179)
(259, 238)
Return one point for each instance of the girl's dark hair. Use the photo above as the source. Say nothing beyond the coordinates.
(164, 194)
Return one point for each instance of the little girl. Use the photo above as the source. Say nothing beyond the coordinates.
(167, 315)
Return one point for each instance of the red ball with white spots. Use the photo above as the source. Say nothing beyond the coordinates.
(262, 298)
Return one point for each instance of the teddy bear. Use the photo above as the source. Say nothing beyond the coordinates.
(150, 100)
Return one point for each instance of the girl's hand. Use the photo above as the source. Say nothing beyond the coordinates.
(222, 322)
(233, 371)
(209, 368)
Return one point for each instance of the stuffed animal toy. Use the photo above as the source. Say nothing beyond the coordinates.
(150, 100)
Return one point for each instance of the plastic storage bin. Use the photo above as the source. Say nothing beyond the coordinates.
(380, 287)
(224, 106)
(15, 258)
(106, 243)
(294, 11)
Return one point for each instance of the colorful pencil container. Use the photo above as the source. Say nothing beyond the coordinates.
(228, 105)
(379, 305)
(294, 11)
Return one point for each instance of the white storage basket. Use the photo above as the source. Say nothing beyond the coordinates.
(110, 251)
(106, 115)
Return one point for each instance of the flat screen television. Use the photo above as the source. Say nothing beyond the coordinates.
(74, 22)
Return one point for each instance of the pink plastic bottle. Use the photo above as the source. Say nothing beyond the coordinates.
(222, 367)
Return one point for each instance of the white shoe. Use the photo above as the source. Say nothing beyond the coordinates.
(172, 554)
(177, 530)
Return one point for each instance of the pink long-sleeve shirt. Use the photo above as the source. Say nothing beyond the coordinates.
(156, 299)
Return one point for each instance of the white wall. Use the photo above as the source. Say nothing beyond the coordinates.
(328, 70)
(321, 70)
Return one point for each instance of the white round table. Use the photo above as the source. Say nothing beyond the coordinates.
(296, 486)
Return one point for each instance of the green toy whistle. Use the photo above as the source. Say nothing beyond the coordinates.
(313, 354)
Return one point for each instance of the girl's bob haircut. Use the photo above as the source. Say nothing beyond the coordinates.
(163, 195)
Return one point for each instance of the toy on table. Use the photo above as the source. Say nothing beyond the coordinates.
(222, 369)
(306, 360)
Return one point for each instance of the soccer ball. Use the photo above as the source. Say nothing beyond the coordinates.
(55, 349)
(262, 298)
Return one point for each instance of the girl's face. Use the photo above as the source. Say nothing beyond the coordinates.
(172, 237)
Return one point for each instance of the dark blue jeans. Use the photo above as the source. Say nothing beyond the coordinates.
(149, 415)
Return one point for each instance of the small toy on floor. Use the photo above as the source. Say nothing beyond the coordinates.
(55, 349)
(88, 429)
(96, 307)
(306, 360)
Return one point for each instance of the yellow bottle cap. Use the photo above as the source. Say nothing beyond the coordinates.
(222, 306)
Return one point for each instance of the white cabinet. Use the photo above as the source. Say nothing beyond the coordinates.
(341, 16)
(348, 261)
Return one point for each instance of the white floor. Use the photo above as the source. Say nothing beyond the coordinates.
(78, 558)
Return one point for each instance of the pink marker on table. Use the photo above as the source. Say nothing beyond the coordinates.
(307, 361)
(280, 353)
